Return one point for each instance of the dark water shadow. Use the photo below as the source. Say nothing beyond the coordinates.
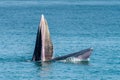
(42, 64)
(83, 63)
(43, 69)
(48, 64)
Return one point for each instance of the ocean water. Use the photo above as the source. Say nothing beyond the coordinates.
(74, 25)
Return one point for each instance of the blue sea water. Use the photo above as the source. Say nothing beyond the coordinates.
(74, 25)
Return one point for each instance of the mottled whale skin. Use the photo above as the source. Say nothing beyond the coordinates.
(80, 55)
(44, 48)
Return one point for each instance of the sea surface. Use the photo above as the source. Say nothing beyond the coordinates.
(74, 25)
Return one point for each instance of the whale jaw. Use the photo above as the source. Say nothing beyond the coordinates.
(82, 55)
(43, 48)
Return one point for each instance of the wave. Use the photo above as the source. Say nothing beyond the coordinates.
(54, 2)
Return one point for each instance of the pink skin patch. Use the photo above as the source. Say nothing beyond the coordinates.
(42, 25)
(85, 55)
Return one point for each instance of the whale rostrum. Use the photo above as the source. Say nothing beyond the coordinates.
(43, 48)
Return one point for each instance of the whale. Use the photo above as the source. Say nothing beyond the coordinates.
(82, 55)
(44, 47)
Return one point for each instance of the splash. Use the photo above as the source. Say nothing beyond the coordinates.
(75, 60)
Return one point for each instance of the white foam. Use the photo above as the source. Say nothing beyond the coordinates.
(74, 60)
